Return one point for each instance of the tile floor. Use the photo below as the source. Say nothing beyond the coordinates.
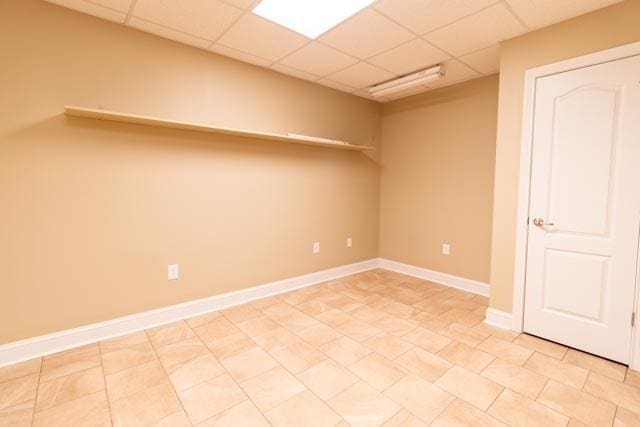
(376, 348)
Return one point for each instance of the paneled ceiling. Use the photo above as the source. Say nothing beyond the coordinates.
(388, 39)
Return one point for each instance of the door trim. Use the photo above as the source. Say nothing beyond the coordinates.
(524, 186)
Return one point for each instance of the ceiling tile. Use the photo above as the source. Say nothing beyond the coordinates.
(454, 72)
(257, 36)
(293, 72)
(361, 75)
(158, 30)
(239, 55)
(242, 4)
(336, 85)
(119, 5)
(366, 34)
(540, 13)
(487, 61)
(422, 16)
(109, 14)
(318, 59)
(477, 31)
(409, 57)
(206, 19)
(364, 93)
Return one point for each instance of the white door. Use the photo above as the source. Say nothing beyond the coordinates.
(584, 217)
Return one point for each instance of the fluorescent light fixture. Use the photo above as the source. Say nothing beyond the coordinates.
(406, 82)
(309, 17)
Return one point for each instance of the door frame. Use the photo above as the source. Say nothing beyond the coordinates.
(524, 186)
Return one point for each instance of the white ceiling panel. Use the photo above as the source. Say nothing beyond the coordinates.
(319, 59)
(242, 4)
(487, 61)
(361, 75)
(239, 55)
(168, 33)
(421, 16)
(110, 14)
(540, 13)
(336, 85)
(259, 37)
(455, 72)
(293, 72)
(206, 19)
(409, 57)
(478, 31)
(366, 34)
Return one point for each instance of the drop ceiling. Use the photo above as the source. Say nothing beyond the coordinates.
(388, 39)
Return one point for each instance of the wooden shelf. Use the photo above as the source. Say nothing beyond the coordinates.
(115, 116)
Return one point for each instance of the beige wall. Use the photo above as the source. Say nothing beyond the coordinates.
(437, 178)
(92, 212)
(602, 29)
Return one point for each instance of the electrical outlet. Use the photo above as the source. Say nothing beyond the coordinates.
(173, 272)
(349, 242)
(446, 249)
(316, 247)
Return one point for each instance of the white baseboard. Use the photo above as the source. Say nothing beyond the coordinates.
(499, 319)
(19, 351)
(450, 280)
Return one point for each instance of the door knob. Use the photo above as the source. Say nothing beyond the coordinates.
(539, 222)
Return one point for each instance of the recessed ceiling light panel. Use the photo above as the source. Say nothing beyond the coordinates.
(309, 17)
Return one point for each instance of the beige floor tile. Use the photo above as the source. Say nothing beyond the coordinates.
(470, 336)
(404, 418)
(91, 410)
(499, 333)
(576, 404)
(516, 410)
(613, 391)
(461, 414)
(378, 371)
(345, 350)
(419, 397)
(297, 322)
(169, 334)
(17, 416)
(181, 351)
(177, 419)
(202, 319)
(605, 367)
(127, 357)
(424, 364)
(146, 407)
(319, 334)
(258, 326)
(241, 312)
(398, 309)
(70, 361)
(215, 330)
(548, 348)
(362, 405)
(231, 345)
(557, 370)
(276, 339)
(188, 374)
(463, 317)
(18, 390)
(243, 414)
(129, 381)
(626, 418)
(333, 317)
(463, 304)
(304, 409)
(470, 387)
(426, 339)
(313, 308)
(358, 330)
(124, 341)
(505, 350)
(345, 304)
(20, 369)
(211, 398)
(388, 345)
(326, 379)
(279, 308)
(248, 364)
(432, 306)
(468, 357)
(515, 377)
(368, 314)
(272, 387)
(632, 378)
(70, 387)
(298, 357)
(395, 326)
(430, 321)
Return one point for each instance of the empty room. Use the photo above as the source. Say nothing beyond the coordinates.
(301, 213)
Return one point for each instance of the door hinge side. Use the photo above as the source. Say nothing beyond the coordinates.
(633, 318)
(527, 220)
